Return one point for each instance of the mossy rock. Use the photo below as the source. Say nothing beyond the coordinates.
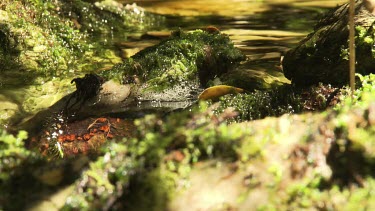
(323, 55)
(44, 44)
(56, 38)
(175, 70)
(184, 57)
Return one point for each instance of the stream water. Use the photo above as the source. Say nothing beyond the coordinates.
(262, 29)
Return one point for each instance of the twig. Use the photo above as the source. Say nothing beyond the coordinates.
(351, 47)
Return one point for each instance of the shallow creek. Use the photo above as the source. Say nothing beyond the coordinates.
(263, 30)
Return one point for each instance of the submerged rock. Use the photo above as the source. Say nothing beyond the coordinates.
(323, 55)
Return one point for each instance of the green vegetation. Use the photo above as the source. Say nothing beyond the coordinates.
(323, 55)
(313, 160)
(56, 38)
(15, 161)
(12, 154)
(51, 42)
(184, 57)
(166, 151)
(263, 103)
(163, 152)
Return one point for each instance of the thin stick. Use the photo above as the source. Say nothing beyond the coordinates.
(351, 47)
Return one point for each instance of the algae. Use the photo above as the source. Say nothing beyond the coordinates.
(259, 104)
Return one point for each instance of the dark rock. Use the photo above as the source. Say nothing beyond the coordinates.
(323, 55)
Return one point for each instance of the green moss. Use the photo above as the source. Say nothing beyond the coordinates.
(307, 195)
(323, 55)
(183, 57)
(151, 191)
(12, 153)
(45, 41)
(53, 38)
(262, 103)
(147, 167)
(106, 176)
(15, 161)
(147, 163)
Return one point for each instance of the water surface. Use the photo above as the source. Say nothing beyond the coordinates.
(263, 30)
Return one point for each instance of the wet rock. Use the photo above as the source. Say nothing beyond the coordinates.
(323, 55)
(192, 57)
(175, 70)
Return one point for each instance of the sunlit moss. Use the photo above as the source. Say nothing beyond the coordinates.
(164, 150)
(160, 155)
(44, 41)
(186, 56)
(12, 153)
(307, 195)
(262, 103)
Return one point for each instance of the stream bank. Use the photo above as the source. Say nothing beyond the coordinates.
(321, 160)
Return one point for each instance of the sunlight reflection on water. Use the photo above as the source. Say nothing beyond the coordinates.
(263, 30)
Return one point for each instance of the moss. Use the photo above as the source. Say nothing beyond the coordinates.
(14, 160)
(13, 153)
(102, 16)
(323, 55)
(46, 41)
(151, 191)
(307, 195)
(183, 57)
(50, 42)
(163, 151)
(262, 103)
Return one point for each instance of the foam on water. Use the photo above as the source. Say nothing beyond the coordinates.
(181, 92)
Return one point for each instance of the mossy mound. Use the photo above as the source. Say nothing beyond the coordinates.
(175, 70)
(197, 56)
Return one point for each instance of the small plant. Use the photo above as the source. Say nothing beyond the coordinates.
(12, 152)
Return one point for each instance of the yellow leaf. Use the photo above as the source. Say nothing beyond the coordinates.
(215, 92)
